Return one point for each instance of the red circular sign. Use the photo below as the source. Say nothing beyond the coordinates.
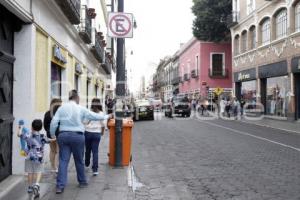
(114, 19)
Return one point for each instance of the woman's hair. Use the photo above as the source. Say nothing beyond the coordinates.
(54, 105)
(96, 105)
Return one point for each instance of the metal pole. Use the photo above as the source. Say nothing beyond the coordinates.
(120, 93)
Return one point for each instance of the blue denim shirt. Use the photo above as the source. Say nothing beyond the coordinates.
(70, 118)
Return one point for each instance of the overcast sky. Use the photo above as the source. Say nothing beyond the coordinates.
(162, 26)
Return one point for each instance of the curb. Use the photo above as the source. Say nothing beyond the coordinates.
(8, 184)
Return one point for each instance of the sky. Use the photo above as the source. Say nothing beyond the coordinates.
(161, 26)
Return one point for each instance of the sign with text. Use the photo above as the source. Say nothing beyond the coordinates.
(120, 25)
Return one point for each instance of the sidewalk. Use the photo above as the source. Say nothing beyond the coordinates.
(277, 124)
(110, 184)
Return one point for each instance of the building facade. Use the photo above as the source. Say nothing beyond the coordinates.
(203, 67)
(48, 48)
(266, 52)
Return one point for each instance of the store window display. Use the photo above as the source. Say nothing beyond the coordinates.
(277, 96)
(248, 93)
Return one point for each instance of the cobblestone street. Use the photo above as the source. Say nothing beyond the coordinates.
(192, 159)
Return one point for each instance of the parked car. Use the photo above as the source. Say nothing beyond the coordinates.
(143, 110)
(182, 106)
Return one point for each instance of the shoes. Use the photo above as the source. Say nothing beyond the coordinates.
(36, 190)
(29, 190)
(83, 185)
(59, 190)
(95, 173)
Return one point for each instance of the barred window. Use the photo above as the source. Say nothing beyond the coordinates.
(297, 17)
(244, 42)
(281, 24)
(252, 35)
(237, 45)
(266, 32)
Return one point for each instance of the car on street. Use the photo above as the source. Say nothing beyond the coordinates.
(143, 110)
(181, 106)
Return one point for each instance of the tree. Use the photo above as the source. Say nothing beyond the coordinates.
(210, 22)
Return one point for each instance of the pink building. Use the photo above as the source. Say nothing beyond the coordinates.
(205, 65)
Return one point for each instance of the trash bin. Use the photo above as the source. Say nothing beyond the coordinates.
(126, 141)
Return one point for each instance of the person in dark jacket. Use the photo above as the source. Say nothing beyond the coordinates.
(54, 105)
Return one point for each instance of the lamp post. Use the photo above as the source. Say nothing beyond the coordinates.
(120, 94)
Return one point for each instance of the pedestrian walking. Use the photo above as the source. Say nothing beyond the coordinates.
(222, 107)
(53, 154)
(93, 132)
(110, 105)
(235, 106)
(71, 139)
(228, 107)
(34, 161)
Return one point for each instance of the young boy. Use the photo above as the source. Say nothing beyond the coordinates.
(34, 162)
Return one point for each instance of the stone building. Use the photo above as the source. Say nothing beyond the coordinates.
(266, 55)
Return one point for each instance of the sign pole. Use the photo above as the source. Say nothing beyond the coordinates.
(120, 94)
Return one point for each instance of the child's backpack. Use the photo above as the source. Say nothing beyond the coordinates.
(23, 144)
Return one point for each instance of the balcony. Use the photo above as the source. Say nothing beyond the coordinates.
(233, 19)
(97, 50)
(107, 65)
(71, 9)
(176, 80)
(194, 73)
(85, 26)
(218, 74)
(186, 77)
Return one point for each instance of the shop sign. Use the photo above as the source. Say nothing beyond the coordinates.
(57, 54)
(245, 75)
(242, 76)
(273, 70)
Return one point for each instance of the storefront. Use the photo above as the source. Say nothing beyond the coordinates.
(58, 63)
(245, 86)
(275, 88)
(78, 72)
(296, 73)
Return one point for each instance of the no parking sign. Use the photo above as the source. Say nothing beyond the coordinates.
(120, 25)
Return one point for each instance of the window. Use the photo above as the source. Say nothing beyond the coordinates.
(250, 6)
(237, 45)
(96, 91)
(76, 82)
(217, 64)
(252, 35)
(281, 24)
(265, 31)
(197, 65)
(297, 17)
(88, 83)
(55, 81)
(244, 42)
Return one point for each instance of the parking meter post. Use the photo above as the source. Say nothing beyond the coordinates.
(120, 93)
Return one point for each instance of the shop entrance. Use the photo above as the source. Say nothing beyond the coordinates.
(6, 92)
(297, 84)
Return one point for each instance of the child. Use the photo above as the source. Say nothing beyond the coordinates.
(34, 154)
